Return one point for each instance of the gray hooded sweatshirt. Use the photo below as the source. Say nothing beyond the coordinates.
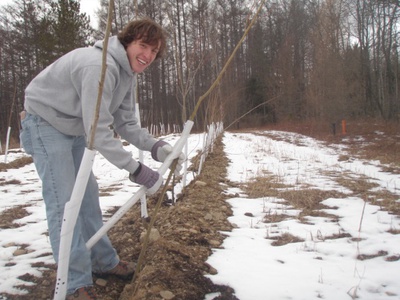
(65, 95)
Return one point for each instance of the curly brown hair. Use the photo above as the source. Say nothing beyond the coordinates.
(148, 31)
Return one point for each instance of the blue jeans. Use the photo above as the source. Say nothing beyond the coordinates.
(57, 158)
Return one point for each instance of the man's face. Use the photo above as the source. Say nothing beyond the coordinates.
(141, 55)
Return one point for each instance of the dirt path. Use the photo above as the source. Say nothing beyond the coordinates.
(175, 262)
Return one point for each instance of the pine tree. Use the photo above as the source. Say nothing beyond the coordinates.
(71, 28)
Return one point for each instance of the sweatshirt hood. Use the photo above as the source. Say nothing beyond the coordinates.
(117, 51)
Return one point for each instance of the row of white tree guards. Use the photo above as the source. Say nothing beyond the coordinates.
(73, 206)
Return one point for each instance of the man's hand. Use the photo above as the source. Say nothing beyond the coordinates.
(161, 150)
(152, 180)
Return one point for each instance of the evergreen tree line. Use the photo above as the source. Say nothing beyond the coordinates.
(303, 59)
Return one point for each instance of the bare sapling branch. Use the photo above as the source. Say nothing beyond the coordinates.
(102, 76)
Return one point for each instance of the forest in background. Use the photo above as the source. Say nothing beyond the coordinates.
(323, 60)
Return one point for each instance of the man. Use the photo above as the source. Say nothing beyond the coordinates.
(59, 108)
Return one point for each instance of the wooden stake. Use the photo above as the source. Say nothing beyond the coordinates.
(102, 76)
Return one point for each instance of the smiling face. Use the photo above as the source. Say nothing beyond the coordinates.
(141, 55)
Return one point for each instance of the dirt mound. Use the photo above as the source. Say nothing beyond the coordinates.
(174, 265)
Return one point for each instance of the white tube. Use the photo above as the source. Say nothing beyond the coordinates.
(176, 151)
(203, 153)
(185, 165)
(143, 201)
(7, 143)
(71, 212)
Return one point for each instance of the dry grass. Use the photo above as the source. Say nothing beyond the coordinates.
(267, 186)
(103, 192)
(367, 139)
(273, 217)
(15, 164)
(284, 239)
(386, 200)
(370, 256)
(308, 201)
(8, 216)
(364, 140)
(359, 186)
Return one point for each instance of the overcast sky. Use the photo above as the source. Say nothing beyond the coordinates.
(89, 7)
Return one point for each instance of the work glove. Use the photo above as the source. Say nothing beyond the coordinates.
(152, 180)
(161, 150)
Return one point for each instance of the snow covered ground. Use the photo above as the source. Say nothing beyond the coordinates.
(316, 268)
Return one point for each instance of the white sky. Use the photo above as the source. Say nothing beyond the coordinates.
(89, 7)
(316, 268)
